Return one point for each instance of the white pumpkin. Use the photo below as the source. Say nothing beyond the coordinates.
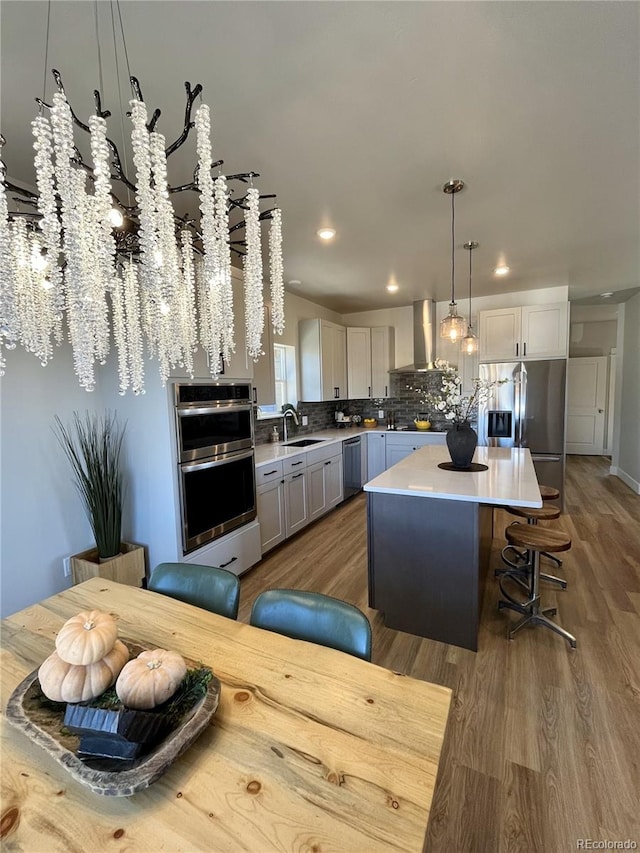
(66, 682)
(150, 679)
(87, 637)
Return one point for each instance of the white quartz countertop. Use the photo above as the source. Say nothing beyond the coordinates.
(266, 453)
(509, 481)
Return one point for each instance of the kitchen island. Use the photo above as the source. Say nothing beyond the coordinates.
(429, 538)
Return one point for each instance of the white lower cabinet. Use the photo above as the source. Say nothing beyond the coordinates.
(296, 502)
(399, 446)
(376, 454)
(271, 514)
(324, 483)
(295, 491)
(236, 552)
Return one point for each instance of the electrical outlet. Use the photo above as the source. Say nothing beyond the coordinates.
(380, 414)
(305, 420)
(66, 566)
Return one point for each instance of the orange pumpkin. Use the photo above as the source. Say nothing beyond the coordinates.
(150, 679)
(86, 638)
(66, 682)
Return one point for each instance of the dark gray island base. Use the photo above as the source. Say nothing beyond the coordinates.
(428, 561)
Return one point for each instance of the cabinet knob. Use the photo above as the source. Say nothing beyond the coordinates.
(517, 347)
(328, 463)
(524, 348)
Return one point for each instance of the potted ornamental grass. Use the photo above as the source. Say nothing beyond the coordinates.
(93, 446)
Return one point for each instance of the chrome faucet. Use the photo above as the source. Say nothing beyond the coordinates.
(285, 431)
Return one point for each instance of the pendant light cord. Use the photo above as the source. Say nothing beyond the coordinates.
(115, 54)
(453, 232)
(470, 253)
(95, 6)
(46, 55)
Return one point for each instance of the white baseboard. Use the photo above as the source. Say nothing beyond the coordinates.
(634, 485)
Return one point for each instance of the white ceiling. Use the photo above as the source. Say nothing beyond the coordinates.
(356, 113)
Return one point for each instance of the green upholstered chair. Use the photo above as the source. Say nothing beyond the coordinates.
(314, 617)
(213, 589)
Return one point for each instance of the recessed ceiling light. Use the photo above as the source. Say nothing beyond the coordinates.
(607, 294)
(392, 288)
(326, 233)
(503, 269)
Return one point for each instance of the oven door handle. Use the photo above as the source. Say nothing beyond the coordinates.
(212, 410)
(219, 460)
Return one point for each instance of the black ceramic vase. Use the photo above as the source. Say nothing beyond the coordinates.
(462, 440)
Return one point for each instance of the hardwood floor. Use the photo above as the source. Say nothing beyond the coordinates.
(543, 743)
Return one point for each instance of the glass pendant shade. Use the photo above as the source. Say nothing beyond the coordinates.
(453, 326)
(469, 344)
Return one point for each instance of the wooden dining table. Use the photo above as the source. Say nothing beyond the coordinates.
(310, 749)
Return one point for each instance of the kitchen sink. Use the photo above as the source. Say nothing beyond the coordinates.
(304, 442)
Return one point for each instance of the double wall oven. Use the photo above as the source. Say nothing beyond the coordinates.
(214, 429)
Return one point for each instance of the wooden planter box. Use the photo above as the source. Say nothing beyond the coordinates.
(128, 567)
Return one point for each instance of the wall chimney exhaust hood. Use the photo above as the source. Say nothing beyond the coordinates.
(424, 338)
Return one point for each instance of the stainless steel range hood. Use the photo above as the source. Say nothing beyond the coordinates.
(424, 338)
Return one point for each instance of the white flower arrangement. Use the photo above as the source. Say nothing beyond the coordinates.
(451, 403)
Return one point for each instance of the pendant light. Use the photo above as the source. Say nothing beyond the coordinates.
(453, 326)
(470, 341)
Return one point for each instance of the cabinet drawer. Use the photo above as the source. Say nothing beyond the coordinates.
(268, 472)
(236, 551)
(325, 451)
(294, 463)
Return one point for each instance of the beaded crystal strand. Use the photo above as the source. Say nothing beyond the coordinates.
(211, 262)
(85, 299)
(223, 263)
(276, 272)
(50, 221)
(254, 304)
(8, 325)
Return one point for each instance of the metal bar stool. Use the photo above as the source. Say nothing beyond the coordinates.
(533, 516)
(535, 540)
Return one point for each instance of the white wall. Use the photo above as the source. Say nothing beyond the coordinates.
(628, 455)
(41, 515)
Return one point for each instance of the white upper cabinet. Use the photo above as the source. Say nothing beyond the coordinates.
(358, 363)
(533, 331)
(264, 378)
(370, 355)
(382, 359)
(323, 360)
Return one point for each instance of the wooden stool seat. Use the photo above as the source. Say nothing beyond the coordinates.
(549, 493)
(535, 538)
(545, 513)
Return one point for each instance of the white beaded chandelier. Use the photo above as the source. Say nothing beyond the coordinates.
(81, 260)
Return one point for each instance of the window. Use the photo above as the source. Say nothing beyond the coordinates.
(284, 358)
(285, 374)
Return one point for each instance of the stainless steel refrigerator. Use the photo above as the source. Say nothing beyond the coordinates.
(528, 411)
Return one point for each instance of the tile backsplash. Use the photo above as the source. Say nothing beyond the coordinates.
(403, 403)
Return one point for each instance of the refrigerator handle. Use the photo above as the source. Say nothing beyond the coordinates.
(522, 431)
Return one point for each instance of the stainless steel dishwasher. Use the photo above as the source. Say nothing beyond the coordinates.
(351, 466)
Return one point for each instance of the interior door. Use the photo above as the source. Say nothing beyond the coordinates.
(587, 393)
